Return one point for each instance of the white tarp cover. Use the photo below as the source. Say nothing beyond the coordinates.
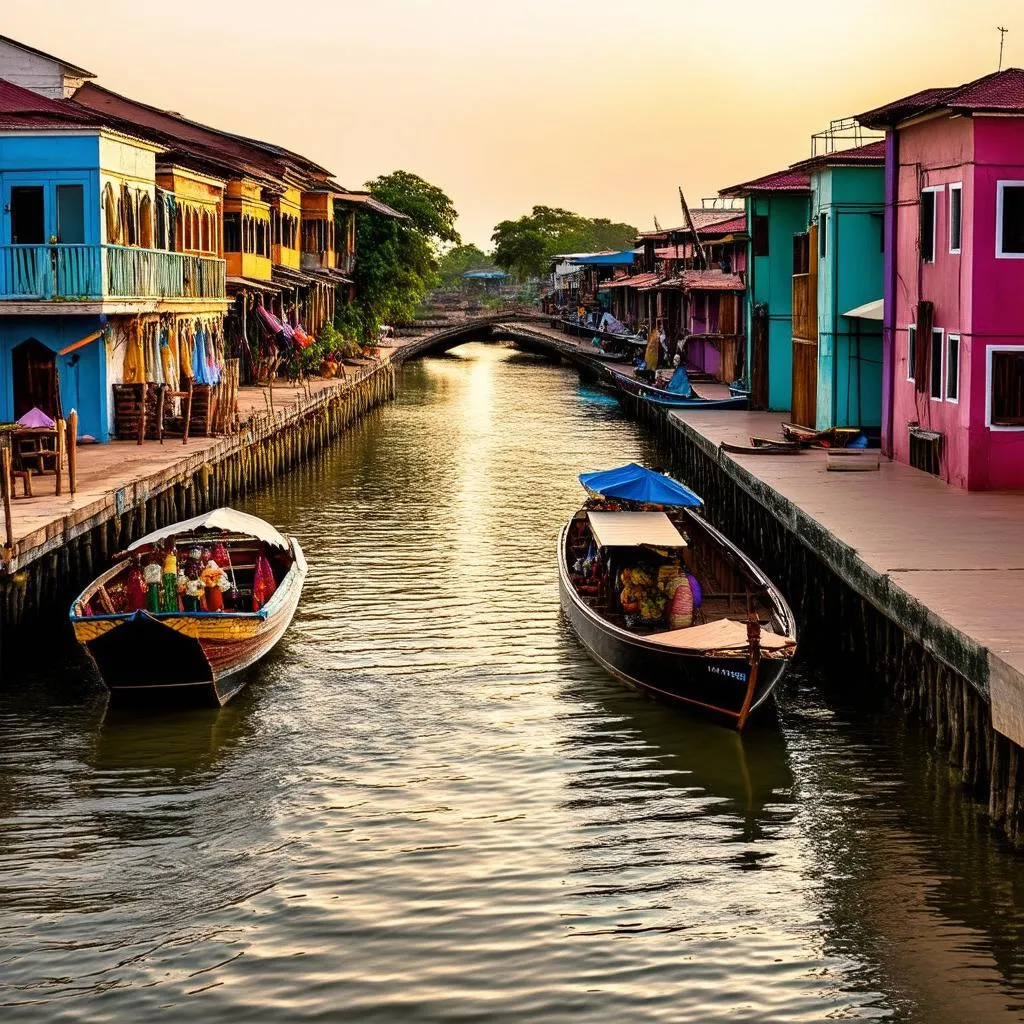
(631, 529)
(226, 519)
(869, 311)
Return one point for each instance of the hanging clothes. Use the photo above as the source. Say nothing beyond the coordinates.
(185, 352)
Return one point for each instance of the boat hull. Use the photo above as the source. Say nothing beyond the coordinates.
(670, 402)
(187, 659)
(713, 685)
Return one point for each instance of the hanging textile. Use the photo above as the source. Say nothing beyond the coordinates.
(212, 368)
(168, 362)
(185, 352)
(134, 371)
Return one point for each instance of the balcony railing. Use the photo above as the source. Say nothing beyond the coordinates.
(92, 273)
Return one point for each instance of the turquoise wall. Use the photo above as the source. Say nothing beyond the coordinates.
(771, 280)
(850, 274)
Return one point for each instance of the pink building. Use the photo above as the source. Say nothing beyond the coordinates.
(953, 343)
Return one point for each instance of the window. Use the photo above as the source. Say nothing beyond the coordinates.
(952, 367)
(822, 233)
(935, 364)
(911, 349)
(928, 226)
(760, 236)
(1010, 220)
(801, 253)
(956, 204)
(232, 232)
(1006, 386)
(70, 215)
(26, 208)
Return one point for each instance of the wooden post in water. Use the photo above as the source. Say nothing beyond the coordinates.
(6, 484)
(72, 446)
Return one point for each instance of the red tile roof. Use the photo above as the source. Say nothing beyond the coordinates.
(702, 219)
(869, 155)
(779, 181)
(712, 281)
(999, 91)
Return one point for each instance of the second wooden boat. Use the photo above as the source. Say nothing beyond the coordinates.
(666, 602)
(190, 606)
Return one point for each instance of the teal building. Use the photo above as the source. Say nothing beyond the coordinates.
(845, 228)
(777, 207)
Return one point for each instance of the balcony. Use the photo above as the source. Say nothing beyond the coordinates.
(94, 273)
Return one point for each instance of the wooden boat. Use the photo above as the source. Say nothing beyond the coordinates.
(761, 449)
(678, 394)
(833, 437)
(727, 659)
(695, 401)
(188, 654)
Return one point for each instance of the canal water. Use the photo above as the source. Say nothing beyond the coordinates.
(431, 805)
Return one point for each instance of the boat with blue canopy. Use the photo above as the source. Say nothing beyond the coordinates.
(667, 603)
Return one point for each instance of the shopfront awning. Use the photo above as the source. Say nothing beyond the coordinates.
(869, 311)
(631, 529)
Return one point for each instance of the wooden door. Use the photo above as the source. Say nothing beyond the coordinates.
(805, 337)
(34, 373)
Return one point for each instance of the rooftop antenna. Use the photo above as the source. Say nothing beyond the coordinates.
(1002, 37)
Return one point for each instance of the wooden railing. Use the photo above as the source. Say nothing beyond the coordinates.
(96, 272)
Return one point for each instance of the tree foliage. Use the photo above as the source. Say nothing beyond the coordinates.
(462, 258)
(397, 261)
(525, 246)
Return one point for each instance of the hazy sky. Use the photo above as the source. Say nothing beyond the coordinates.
(601, 106)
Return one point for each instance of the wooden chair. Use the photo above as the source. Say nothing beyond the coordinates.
(175, 423)
(39, 451)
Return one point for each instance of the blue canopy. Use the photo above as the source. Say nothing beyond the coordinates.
(605, 259)
(484, 275)
(634, 483)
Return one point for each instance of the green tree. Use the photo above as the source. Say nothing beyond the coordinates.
(397, 260)
(462, 258)
(525, 246)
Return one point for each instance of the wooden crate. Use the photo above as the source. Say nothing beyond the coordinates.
(128, 405)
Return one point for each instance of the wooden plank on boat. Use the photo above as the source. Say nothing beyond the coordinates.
(762, 449)
(721, 635)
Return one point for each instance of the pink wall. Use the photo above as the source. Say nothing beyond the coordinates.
(937, 152)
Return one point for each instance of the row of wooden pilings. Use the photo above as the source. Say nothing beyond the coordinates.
(876, 643)
(38, 594)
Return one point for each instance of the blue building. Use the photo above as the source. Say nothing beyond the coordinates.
(86, 275)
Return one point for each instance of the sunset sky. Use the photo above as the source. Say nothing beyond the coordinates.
(602, 106)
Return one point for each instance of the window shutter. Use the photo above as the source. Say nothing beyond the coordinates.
(922, 348)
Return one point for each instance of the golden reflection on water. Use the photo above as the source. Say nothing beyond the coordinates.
(431, 805)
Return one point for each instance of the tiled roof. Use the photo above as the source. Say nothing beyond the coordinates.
(702, 219)
(737, 223)
(712, 281)
(779, 181)
(999, 91)
(869, 155)
(636, 281)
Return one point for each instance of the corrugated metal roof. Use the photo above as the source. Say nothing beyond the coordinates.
(635, 281)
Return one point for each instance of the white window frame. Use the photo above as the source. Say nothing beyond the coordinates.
(955, 399)
(935, 220)
(911, 342)
(956, 186)
(988, 386)
(1001, 187)
(941, 332)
